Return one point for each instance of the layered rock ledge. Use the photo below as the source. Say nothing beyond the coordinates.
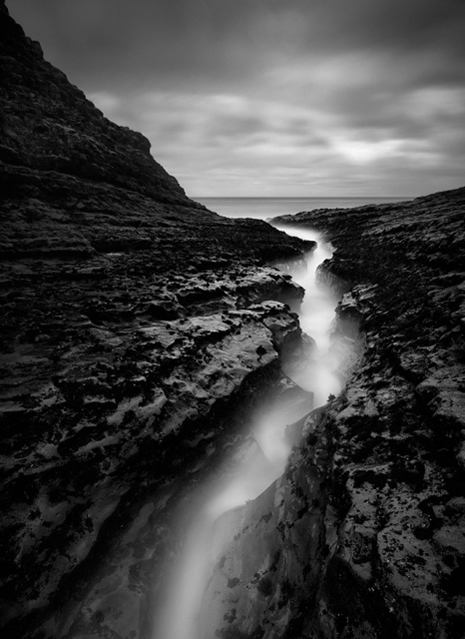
(136, 333)
(364, 535)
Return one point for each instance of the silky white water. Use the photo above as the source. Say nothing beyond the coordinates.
(320, 373)
(259, 462)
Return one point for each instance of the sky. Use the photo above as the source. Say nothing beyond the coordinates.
(274, 98)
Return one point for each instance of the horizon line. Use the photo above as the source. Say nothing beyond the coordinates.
(298, 197)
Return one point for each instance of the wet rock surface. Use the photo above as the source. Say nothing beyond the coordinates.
(364, 535)
(137, 331)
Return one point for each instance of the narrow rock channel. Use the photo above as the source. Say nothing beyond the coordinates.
(260, 460)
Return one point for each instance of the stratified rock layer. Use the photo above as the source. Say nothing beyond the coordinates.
(136, 332)
(364, 535)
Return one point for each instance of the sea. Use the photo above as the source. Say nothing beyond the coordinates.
(265, 207)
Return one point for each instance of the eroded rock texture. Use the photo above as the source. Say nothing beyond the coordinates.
(364, 535)
(136, 333)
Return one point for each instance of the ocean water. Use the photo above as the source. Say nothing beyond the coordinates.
(264, 207)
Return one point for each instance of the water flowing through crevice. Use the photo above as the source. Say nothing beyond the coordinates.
(259, 460)
(320, 373)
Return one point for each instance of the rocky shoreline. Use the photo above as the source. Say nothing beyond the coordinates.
(364, 535)
(138, 332)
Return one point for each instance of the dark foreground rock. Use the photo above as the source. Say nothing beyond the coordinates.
(364, 535)
(137, 333)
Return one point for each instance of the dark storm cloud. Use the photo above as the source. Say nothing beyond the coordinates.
(104, 39)
(268, 94)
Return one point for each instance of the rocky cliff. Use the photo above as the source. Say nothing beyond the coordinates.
(137, 332)
(364, 535)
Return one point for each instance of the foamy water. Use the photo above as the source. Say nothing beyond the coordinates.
(260, 461)
(320, 373)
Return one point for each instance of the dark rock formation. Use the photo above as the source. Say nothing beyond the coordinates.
(364, 535)
(136, 333)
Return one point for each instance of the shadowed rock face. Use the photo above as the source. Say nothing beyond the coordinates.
(364, 535)
(137, 332)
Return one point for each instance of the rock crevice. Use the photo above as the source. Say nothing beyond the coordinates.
(383, 548)
(138, 331)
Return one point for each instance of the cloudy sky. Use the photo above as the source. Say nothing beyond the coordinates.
(274, 97)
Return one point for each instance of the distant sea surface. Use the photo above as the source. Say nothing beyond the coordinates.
(264, 207)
